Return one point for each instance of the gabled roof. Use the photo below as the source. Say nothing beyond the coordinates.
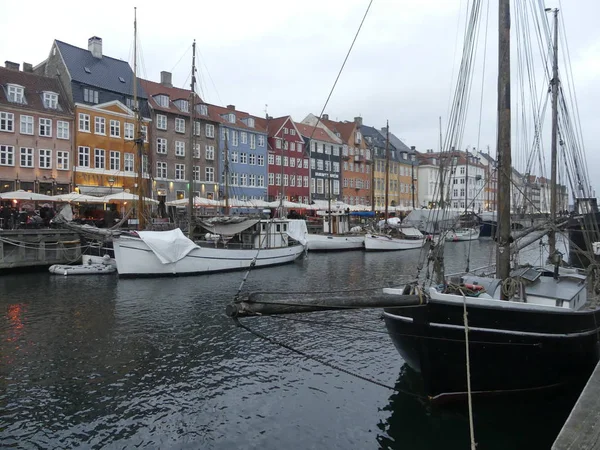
(400, 146)
(345, 129)
(104, 73)
(273, 126)
(152, 88)
(378, 138)
(218, 113)
(316, 133)
(34, 86)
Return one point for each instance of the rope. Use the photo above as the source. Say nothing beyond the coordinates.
(509, 288)
(325, 363)
(466, 320)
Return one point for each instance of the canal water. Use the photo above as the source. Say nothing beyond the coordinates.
(102, 362)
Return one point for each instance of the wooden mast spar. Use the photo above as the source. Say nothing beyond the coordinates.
(190, 160)
(387, 169)
(139, 139)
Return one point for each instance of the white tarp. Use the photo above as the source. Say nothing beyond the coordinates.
(297, 230)
(168, 246)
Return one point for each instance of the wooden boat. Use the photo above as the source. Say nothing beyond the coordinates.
(336, 235)
(462, 234)
(402, 239)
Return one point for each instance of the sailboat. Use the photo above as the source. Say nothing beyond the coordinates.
(232, 243)
(399, 237)
(528, 328)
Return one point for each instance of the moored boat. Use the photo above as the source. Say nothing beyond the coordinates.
(406, 239)
(462, 234)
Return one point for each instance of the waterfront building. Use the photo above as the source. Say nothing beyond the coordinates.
(242, 143)
(170, 142)
(36, 132)
(101, 89)
(288, 164)
(324, 150)
(356, 157)
(491, 184)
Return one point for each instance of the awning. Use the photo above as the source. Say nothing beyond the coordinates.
(99, 191)
(229, 229)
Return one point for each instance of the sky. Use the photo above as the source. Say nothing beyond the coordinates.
(283, 57)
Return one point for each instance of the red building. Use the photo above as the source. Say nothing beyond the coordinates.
(288, 162)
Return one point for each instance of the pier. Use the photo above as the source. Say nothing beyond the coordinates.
(40, 247)
(582, 429)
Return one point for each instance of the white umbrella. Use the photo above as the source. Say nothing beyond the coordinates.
(24, 195)
(125, 197)
(286, 204)
(77, 197)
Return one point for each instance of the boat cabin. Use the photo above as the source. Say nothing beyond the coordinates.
(339, 224)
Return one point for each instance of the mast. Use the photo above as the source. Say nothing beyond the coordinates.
(553, 170)
(226, 171)
(412, 180)
(329, 191)
(504, 142)
(467, 182)
(190, 160)
(138, 131)
(387, 168)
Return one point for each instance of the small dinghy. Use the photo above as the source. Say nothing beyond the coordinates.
(89, 268)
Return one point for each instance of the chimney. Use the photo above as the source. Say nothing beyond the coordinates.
(95, 46)
(231, 107)
(358, 121)
(166, 79)
(27, 67)
(413, 148)
(12, 65)
(325, 117)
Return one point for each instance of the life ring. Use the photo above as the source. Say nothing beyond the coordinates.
(474, 287)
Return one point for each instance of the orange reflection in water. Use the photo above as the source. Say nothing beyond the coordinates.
(15, 322)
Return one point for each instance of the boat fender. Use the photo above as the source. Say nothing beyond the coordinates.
(474, 287)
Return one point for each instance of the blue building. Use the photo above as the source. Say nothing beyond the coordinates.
(243, 142)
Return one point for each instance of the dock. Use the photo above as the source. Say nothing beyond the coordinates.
(581, 431)
(40, 247)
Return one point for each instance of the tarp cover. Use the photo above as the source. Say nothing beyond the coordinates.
(229, 229)
(297, 230)
(168, 246)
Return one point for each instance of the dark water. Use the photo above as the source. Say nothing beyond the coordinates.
(102, 362)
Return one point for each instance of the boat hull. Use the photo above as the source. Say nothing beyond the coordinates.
(459, 236)
(381, 243)
(135, 258)
(329, 243)
(510, 351)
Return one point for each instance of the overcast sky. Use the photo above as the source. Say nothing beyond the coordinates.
(287, 54)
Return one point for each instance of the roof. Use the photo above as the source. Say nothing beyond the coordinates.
(152, 88)
(104, 73)
(345, 129)
(217, 113)
(316, 133)
(378, 139)
(272, 125)
(400, 146)
(34, 86)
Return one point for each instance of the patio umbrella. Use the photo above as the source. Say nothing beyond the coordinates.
(24, 195)
(77, 197)
(125, 197)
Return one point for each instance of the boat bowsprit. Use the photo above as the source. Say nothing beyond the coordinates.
(82, 269)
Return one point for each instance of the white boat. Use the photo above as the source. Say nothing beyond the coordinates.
(462, 234)
(229, 246)
(92, 259)
(412, 239)
(337, 235)
(82, 269)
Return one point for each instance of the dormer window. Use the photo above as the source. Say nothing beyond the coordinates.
(162, 100)
(203, 110)
(16, 93)
(250, 122)
(358, 137)
(183, 105)
(231, 117)
(50, 100)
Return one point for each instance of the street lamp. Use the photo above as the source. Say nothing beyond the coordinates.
(111, 181)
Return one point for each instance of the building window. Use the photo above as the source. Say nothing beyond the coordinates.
(292, 146)
(252, 159)
(7, 155)
(271, 158)
(278, 160)
(161, 170)
(285, 179)
(313, 163)
(261, 160)
(45, 159)
(278, 179)
(292, 162)
(180, 172)
(210, 174)
(62, 160)
(26, 155)
(286, 161)
(261, 140)
(196, 173)
(233, 157)
(306, 181)
(196, 151)
(115, 128)
(50, 100)
(277, 143)
(183, 105)
(129, 162)
(320, 189)
(244, 137)
(209, 152)
(131, 104)
(84, 122)
(144, 129)
(203, 109)
(84, 156)
(271, 179)
(243, 158)
(115, 160)
(100, 125)
(90, 96)
(161, 146)
(180, 195)
(179, 125)
(261, 181)
(209, 129)
(234, 138)
(179, 148)
(313, 184)
(16, 94)
(161, 122)
(251, 122)
(231, 117)
(129, 130)
(99, 159)
(319, 164)
(252, 141)
(252, 180)
(26, 124)
(162, 100)
(293, 180)
(336, 187)
(197, 128)
(7, 121)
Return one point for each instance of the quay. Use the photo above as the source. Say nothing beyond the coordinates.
(581, 431)
(38, 248)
